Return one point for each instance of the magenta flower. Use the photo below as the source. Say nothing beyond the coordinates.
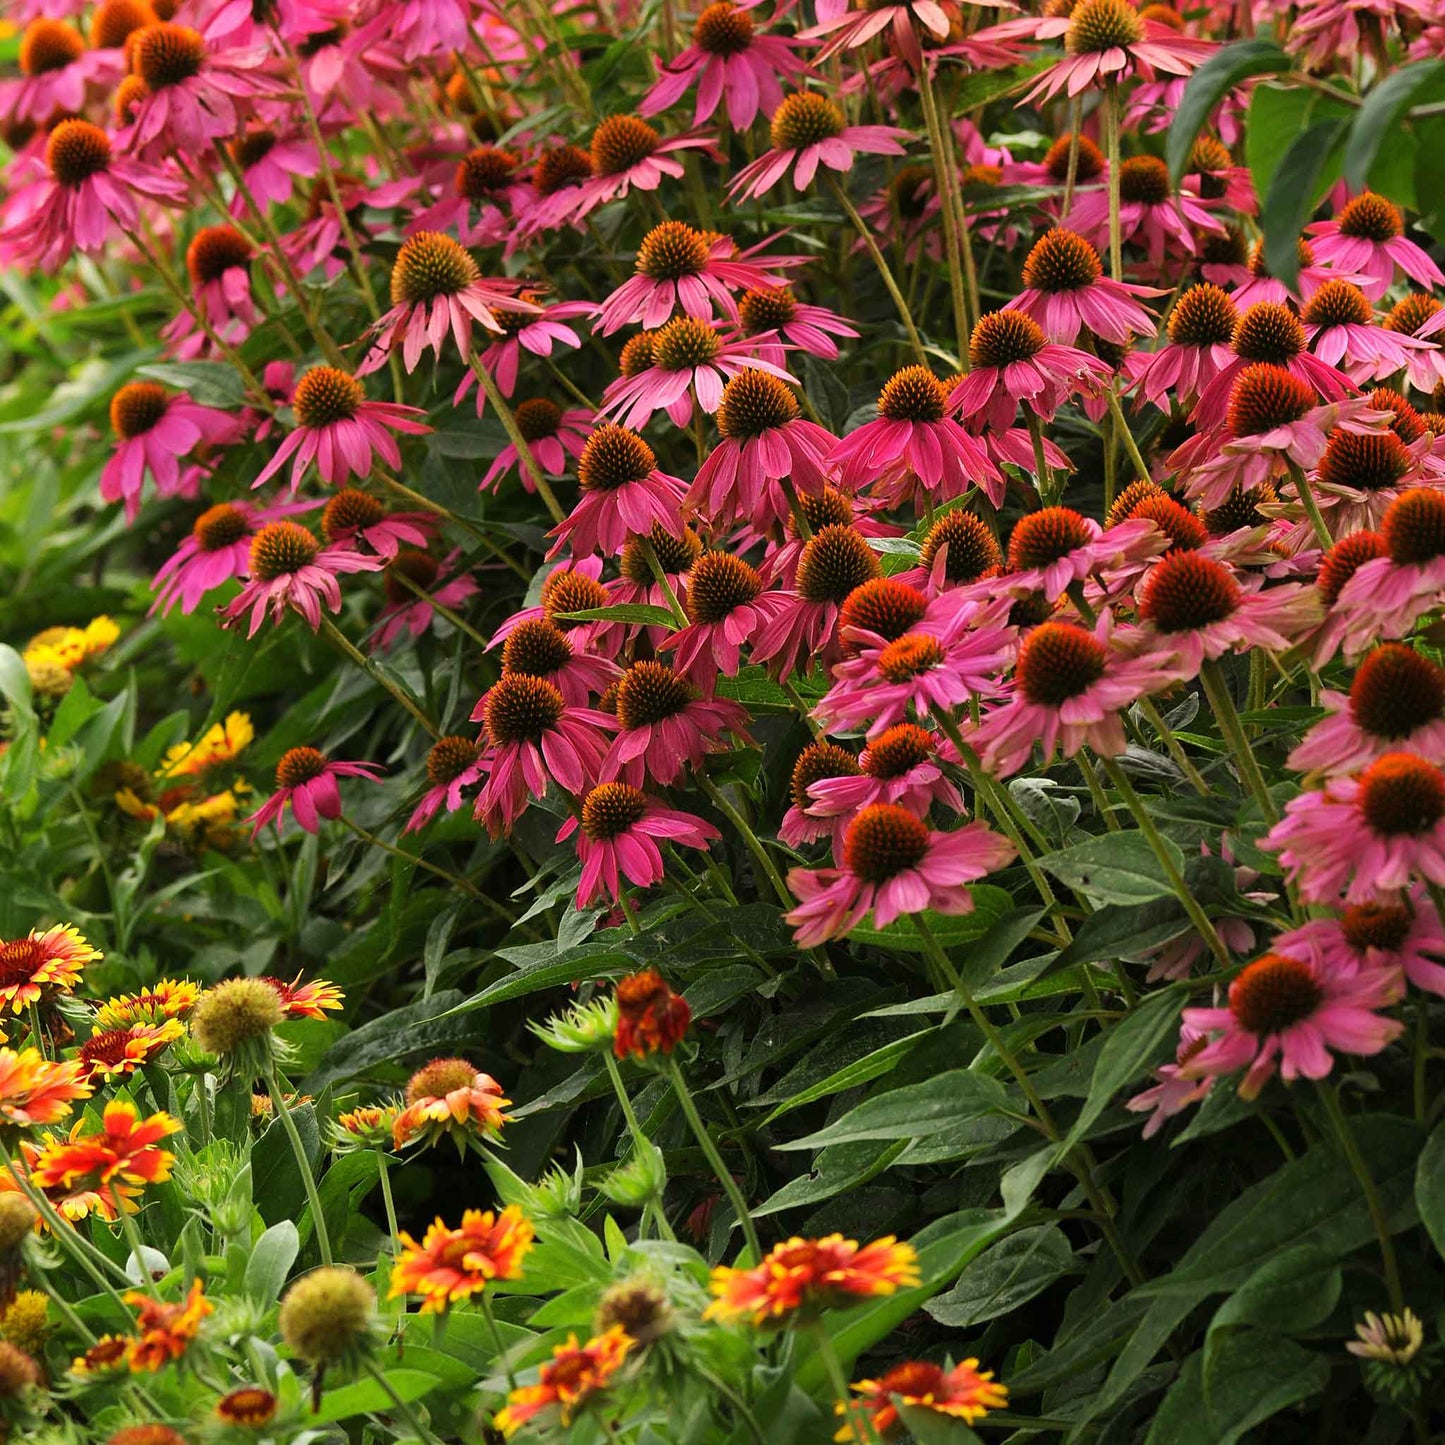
(194, 94)
(57, 73)
(1107, 40)
(665, 725)
(552, 435)
(452, 764)
(845, 28)
(626, 153)
(1151, 214)
(893, 864)
(436, 290)
(725, 607)
(86, 195)
(621, 828)
(914, 444)
(353, 516)
(1201, 326)
(1339, 325)
(289, 569)
(772, 316)
(902, 765)
(154, 431)
(1055, 547)
(478, 196)
(306, 779)
(1174, 1092)
(271, 163)
(1287, 1013)
(340, 430)
(216, 550)
(536, 331)
(1404, 935)
(727, 61)
(1071, 688)
(688, 357)
(1368, 238)
(218, 261)
(1364, 838)
(1012, 362)
(1066, 292)
(538, 647)
(405, 612)
(531, 737)
(622, 494)
(808, 130)
(767, 456)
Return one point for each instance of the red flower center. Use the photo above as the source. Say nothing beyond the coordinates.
(883, 841)
(1338, 303)
(49, 45)
(898, 750)
(448, 759)
(220, 526)
(1004, 337)
(753, 404)
(611, 809)
(1402, 795)
(19, 959)
(1344, 559)
(1268, 331)
(1272, 994)
(1413, 527)
(718, 585)
(213, 251)
(1264, 397)
(1058, 661)
(1384, 926)
(1187, 590)
(537, 647)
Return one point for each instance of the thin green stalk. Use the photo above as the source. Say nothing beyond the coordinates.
(871, 246)
(750, 839)
(420, 499)
(497, 1344)
(1350, 1147)
(402, 1408)
(963, 283)
(303, 1164)
(654, 562)
(1109, 120)
(383, 1173)
(523, 448)
(1155, 839)
(1216, 689)
(440, 608)
(850, 1409)
(1156, 721)
(718, 1384)
(1121, 429)
(348, 649)
(1311, 506)
(710, 1149)
(1042, 469)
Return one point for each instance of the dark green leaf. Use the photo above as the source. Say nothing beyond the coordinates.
(1380, 117)
(1209, 85)
(1114, 868)
(1430, 1187)
(1304, 174)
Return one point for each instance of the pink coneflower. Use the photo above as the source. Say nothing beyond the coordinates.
(1195, 606)
(680, 268)
(725, 607)
(1011, 361)
(768, 454)
(1071, 688)
(1287, 1013)
(728, 61)
(772, 315)
(452, 764)
(621, 828)
(271, 163)
(1368, 238)
(552, 436)
(899, 765)
(1404, 935)
(808, 130)
(153, 432)
(422, 29)
(1174, 1092)
(1201, 326)
(566, 588)
(626, 152)
(1364, 838)
(533, 737)
(1362, 473)
(1421, 318)
(218, 261)
(57, 73)
(957, 549)
(688, 358)
(478, 197)
(914, 445)
(353, 516)
(1340, 326)
(87, 193)
(320, 241)
(816, 762)
(1396, 702)
(622, 494)
(289, 568)
(216, 550)
(536, 331)
(850, 28)
(538, 647)
(638, 582)
(1108, 39)
(1151, 213)
(1066, 292)
(1253, 282)
(193, 95)
(437, 290)
(954, 651)
(306, 779)
(893, 864)
(444, 584)
(339, 429)
(802, 625)
(1052, 549)
(665, 725)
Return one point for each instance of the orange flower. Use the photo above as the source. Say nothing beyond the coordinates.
(249, 1406)
(963, 1392)
(451, 1264)
(72, 1204)
(306, 1000)
(650, 1017)
(164, 1331)
(449, 1096)
(123, 1152)
(575, 1373)
(41, 965)
(366, 1127)
(106, 1354)
(124, 1050)
(168, 999)
(35, 1091)
(811, 1272)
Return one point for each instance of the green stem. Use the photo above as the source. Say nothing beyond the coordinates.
(1156, 721)
(750, 839)
(1109, 120)
(871, 246)
(1349, 1146)
(717, 1383)
(654, 562)
(303, 1164)
(383, 1174)
(1042, 469)
(710, 1149)
(852, 1411)
(1155, 839)
(420, 499)
(349, 650)
(523, 448)
(1216, 689)
(401, 1407)
(1121, 428)
(497, 1344)
(1311, 506)
(960, 251)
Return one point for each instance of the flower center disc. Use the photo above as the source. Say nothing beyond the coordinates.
(1273, 993)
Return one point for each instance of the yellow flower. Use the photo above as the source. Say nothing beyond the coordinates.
(220, 743)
